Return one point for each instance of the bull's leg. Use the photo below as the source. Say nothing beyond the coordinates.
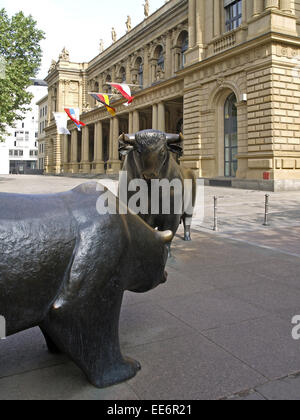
(187, 222)
(87, 330)
(169, 250)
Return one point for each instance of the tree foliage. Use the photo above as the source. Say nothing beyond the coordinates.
(21, 52)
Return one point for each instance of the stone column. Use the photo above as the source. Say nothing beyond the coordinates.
(168, 58)
(65, 153)
(161, 118)
(285, 6)
(271, 4)
(244, 13)
(80, 95)
(146, 67)
(258, 7)
(196, 30)
(99, 148)
(85, 150)
(130, 123)
(85, 98)
(136, 121)
(200, 22)
(74, 151)
(111, 122)
(114, 164)
(216, 16)
(128, 71)
(192, 23)
(113, 74)
(100, 81)
(153, 64)
(154, 117)
(115, 139)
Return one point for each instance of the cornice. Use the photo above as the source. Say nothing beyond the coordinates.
(264, 39)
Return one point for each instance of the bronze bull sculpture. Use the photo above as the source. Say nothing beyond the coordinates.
(64, 267)
(154, 155)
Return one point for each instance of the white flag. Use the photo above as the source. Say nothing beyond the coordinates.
(61, 120)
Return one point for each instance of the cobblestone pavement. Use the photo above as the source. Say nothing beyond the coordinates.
(220, 328)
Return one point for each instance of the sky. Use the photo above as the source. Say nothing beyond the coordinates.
(78, 25)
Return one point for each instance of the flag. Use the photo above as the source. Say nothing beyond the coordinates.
(73, 114)
(104, 100)
(61, 122)
(124, 90)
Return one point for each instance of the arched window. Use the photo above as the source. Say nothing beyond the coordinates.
(161, 60)
(108, 87)
(122, 75)
(96, 90)
(184, 48)
(140, 69)
(231, 136)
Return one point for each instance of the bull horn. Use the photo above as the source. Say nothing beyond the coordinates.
(165, 236)
(127, 138)
(174, 138)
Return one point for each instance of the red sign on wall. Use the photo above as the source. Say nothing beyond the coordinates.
(266, 176)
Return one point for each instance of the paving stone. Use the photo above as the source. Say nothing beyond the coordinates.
(267, 295)
(287, 272)
(147, 323)
(64, 382)
(204, 311)
(264, 344)
(287, 389)
(26, 351)
(190, 368)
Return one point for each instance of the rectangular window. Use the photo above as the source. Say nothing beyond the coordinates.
(233, 9)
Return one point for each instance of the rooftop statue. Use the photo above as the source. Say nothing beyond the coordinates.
(64, 55)
(113, 35)
(146, 8)
(128, 24)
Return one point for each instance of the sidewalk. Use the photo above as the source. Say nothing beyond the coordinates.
(220, 328)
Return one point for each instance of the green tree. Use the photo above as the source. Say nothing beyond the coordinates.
(20, 59)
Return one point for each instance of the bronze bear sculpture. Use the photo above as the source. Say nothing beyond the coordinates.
(64, 267)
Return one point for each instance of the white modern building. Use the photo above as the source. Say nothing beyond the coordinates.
(4, 159)
(42, 124)
(19, 152)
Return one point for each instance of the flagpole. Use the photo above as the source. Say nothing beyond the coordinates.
(99, 93)
(123, 84)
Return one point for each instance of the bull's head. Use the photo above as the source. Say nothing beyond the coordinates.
(151, 150)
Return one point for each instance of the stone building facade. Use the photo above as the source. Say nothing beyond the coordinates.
(226, 72)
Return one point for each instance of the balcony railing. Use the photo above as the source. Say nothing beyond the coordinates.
(225, 42)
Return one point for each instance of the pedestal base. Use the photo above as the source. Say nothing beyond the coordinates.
(113, 166)
(99, 168)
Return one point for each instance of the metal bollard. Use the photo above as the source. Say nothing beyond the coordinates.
(266, 222)
(215, 214)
